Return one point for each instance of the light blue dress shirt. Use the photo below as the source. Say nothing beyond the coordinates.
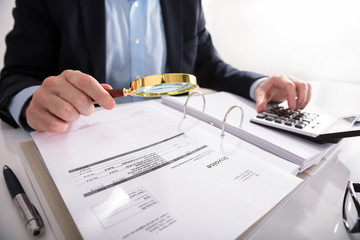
(135, 47)
(135, 42)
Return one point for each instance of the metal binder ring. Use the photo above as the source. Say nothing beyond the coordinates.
(227, 113)
(187, 100)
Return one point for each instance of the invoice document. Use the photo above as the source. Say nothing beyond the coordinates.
(142, 171)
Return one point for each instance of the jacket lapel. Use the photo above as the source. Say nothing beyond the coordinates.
(93, 14)
(172, 18)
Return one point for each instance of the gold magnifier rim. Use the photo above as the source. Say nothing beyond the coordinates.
(188, 80)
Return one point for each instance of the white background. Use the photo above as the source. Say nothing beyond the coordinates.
(315, 40)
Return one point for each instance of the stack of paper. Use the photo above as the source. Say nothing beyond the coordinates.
(141, 171)
(293, 148)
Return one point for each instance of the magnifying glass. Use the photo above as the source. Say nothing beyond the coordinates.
(157, 85)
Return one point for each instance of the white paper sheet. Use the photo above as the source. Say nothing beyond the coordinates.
(141, 171)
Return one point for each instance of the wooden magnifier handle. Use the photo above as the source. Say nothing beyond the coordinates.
(116, 93)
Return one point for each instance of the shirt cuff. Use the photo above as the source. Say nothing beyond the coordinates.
(17, 103)
(254, 86)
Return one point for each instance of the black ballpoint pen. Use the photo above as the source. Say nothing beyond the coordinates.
(33, 221)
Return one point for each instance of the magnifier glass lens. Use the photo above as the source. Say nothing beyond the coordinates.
(165, 89)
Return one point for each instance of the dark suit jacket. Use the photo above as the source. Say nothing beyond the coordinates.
(50, 36)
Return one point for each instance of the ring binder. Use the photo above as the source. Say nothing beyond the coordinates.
(227, 113)
(187, 100)
(302, 152)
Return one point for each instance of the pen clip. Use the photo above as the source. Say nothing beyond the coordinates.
(39, 229)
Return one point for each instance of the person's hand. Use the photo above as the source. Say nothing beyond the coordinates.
(279, 88)
(61, 100)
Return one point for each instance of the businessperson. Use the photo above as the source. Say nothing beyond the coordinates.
(62, 54)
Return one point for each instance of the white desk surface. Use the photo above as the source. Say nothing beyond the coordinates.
(313, 213)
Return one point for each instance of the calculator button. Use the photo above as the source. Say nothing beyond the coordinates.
(308, 119)
(261, 116)
(300, 125)
(271, 114)
(289, 123)
(269, 118)
(279, 120)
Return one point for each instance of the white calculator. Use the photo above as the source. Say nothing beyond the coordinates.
(317, 127)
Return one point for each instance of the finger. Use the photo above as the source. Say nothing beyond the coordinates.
(58, 105)
(261, 101)
(61, 87)
(106, 86)
(63, 110)
(77, 100)
(308, 95)
(91, 88)
(303, 90)
(291, 92)
(44, 121)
